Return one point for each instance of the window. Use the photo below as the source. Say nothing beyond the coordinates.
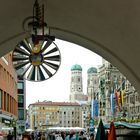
(5, 101)
(78, 79)
(20, 85)
(20, 101)
(20, 91)
(72, 79)
(0, 99)
(21, 114)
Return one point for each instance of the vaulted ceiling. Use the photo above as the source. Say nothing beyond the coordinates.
(108, 28)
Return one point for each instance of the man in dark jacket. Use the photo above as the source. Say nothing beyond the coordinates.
(10, 136)
(82, 137)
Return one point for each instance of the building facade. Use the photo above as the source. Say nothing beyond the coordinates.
(50, 114)
(8, 92)
(125, 97)
(21, 122)
(85, 114)
(110, 81)
(132, 104)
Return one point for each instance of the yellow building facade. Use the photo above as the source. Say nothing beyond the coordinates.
(41, 116)
(52, 114)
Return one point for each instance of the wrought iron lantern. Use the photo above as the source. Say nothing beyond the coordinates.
(37, 57)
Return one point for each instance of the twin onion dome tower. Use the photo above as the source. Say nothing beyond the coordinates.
(76, 86)
(36, 57)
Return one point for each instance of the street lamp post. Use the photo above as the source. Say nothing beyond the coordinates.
(13, 121)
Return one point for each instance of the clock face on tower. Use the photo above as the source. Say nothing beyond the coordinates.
(79, 88)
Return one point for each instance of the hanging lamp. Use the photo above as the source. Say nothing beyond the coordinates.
(36, 58)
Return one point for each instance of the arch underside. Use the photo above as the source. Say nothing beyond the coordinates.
(110, 29)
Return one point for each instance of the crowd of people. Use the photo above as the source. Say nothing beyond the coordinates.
(55, 135)
(71, 135)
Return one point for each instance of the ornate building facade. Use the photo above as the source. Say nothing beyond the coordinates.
(126, 100)
(116, 97)
(110, 80)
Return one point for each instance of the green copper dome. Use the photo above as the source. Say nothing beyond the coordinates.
(76, 67)
(92, 70)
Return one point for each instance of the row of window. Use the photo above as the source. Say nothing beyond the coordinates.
(132, 98)
(135, 110)
(65, 123)
(76, 72)
(93, 81)
(76, 79)
(68, 122)
(38, 123)
(53, 108)
(52, 113)
(7, 103)
(44, 108)
(7, 79)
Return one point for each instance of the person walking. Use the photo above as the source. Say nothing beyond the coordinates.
(26, 136)
(19, 137)
(71, 136)
(43, 136)
(10, 136)
(1, 136)
(91, 136)
(82, 136)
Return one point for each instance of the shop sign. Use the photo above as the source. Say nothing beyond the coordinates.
(6, 121)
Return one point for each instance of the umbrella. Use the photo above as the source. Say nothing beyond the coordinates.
(100, 135)
(112, 132)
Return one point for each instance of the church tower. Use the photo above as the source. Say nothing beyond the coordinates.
(76, 86)
(92, 84)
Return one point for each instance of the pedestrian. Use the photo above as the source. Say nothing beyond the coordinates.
(63, 135)
(26, 137)
(1, 136)
(32, 135)
(43, 136)
(19, 137)
(71, 136)
(91, 136)
(82, 136)
(9, 136)
(59, 137)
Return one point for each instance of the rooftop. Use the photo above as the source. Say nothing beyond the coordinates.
(92, 70)
(50, 103)
(76, 67)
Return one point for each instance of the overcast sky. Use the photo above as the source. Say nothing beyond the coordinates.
(57, 88)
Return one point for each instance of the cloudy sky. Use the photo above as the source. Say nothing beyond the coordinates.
(57, 88)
